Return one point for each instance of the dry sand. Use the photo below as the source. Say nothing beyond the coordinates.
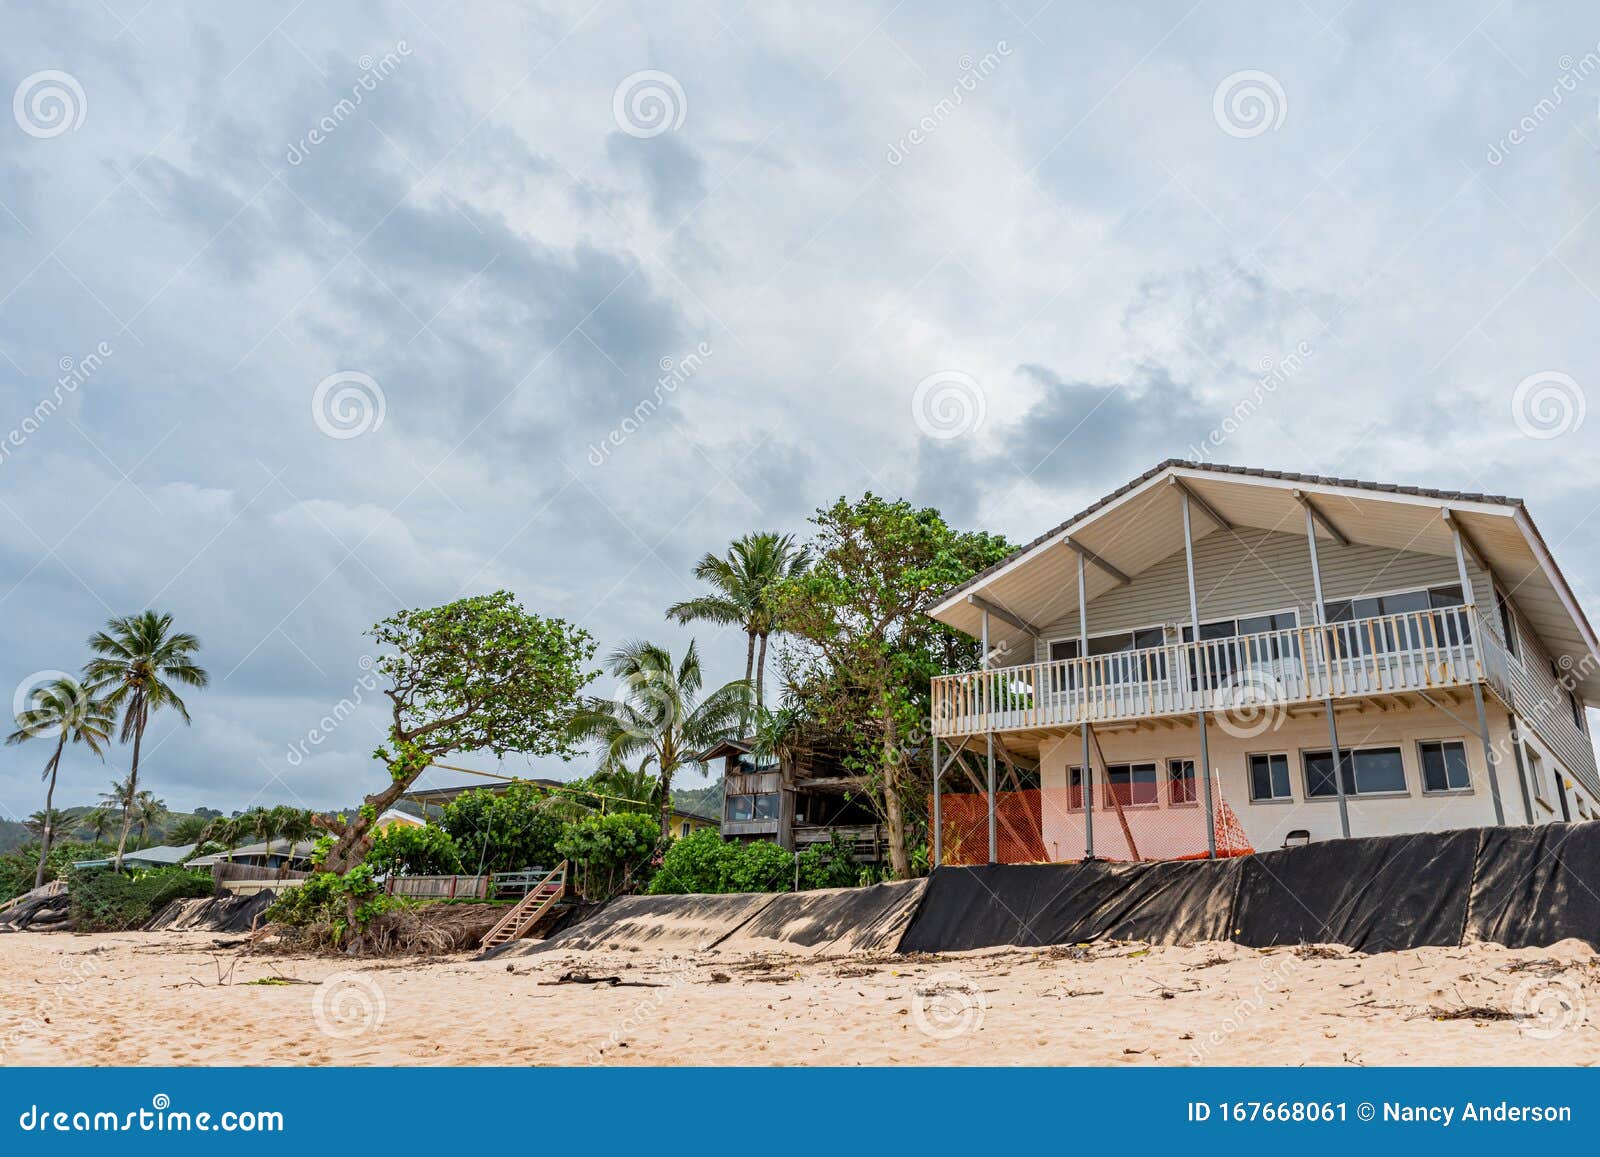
(179, 998)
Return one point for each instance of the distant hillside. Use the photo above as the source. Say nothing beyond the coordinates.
(12, 835)
(704, 801)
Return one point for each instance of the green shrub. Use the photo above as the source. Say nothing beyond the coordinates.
(405, 850)
(17, 867)
(703, 862)
(106, 901)
(610, 851)
(830, 865)
(503, 833)
(327, 898)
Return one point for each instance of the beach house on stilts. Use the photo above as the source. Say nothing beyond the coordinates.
(1213, 660)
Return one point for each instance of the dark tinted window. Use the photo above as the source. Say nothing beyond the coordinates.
(1444, 766)
(1269, 777)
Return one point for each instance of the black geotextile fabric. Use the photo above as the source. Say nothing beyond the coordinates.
(1036, 904)
(1375, 894)
(1535, 886)
(1520, 887)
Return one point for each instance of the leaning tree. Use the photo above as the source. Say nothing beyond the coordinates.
(478, 674)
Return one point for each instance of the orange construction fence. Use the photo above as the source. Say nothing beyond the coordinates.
(1131, 821)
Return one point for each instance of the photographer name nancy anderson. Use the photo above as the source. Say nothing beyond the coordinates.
(1391, 1112)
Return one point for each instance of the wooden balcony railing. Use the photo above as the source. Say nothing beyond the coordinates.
(1387, 654)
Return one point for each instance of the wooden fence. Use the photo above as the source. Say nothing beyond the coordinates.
(440, 887)
(223, 873)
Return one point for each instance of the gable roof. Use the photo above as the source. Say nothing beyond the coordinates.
(1140, 523)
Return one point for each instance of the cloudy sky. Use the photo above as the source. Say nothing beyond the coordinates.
(364, 307)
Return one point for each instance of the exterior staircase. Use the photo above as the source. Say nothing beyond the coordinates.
(531, 910)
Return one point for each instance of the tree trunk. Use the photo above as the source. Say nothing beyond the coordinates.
(352, 847)
(749, 668)
(49, 795)
(893, 809)
(761, 675)
(133, 786)
(666, 802)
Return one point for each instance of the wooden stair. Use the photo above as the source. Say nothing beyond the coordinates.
(530, 910)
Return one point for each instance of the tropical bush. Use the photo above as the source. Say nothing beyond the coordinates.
(830, 865)
(405, 850)
(609, 851)
(17, 867)
(703, 862)
(334, 904)
(106, 901)
(503, 833)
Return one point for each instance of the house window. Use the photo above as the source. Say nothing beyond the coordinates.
(683, 829)
(1536, 777)
(1132, 784)
(1508, 619)
(744, 808)
(1117, 664)
(1075, 789)
(1369, 771)
(1257, 645)
(1352, 637)
(1444, 766)
(1269, 777)
(1181, 787)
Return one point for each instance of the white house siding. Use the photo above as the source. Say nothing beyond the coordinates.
(1256, 572)
(1266, 824)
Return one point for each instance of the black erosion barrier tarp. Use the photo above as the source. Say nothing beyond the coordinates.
(1374, 894)
(1521, 887)
(1535, 886)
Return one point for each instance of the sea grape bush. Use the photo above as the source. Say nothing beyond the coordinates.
(609, 851)
(702, 862)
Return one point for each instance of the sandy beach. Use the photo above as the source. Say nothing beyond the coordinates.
(199, 999)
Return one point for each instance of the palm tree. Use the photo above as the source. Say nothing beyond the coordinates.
(137, 660)
(100, 823)
(629, 790)
(746, 582)
(148, 812)
(66, 709)
(294, 825)
(658, 714)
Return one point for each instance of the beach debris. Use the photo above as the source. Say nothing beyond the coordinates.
(1208, 962)
(612, 981)
(1319, 952)
(1472, 1012)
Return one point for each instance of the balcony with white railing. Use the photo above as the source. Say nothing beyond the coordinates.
(1414, 652)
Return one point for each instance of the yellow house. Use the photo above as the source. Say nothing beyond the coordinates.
(685, 823)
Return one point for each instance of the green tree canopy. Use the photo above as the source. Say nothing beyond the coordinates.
(867, 650)
(478, 674)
